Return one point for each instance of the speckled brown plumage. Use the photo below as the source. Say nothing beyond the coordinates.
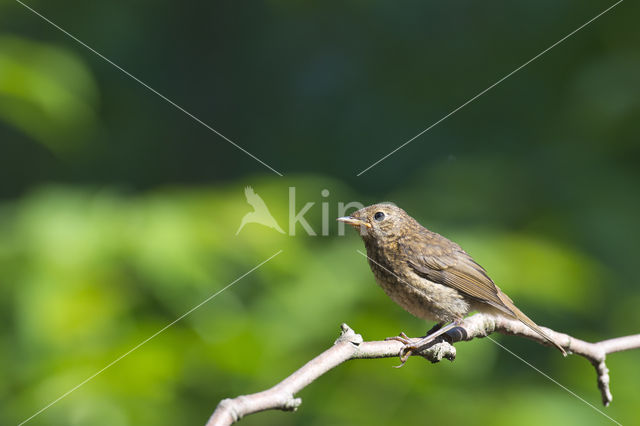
(428, 275)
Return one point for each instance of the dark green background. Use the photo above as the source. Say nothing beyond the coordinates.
(118, 212)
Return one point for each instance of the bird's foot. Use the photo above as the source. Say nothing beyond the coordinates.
(403, 338)
(411, 345)
(406, 350)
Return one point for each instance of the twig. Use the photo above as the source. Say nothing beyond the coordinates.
(351, 346)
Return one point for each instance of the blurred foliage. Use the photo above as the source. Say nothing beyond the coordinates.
(92, 273)
(118, 213)
(46, 92)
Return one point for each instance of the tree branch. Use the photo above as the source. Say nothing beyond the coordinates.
(351, 346)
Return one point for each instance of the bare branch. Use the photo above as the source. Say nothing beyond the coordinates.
(351, 346)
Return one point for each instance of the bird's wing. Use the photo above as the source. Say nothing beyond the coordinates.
(441, 261)
(449, 265)
(254, 199)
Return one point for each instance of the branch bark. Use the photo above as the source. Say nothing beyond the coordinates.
(352, 346)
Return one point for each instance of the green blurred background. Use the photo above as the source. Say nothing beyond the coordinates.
(118, 213)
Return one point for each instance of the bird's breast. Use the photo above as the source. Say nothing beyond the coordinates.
(417, 295)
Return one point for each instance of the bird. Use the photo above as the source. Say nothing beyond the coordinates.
(428, 275)
(260, 213)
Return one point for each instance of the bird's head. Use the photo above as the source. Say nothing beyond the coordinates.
(379, 221)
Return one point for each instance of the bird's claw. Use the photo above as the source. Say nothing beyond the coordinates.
(402, 338)
(406, 350)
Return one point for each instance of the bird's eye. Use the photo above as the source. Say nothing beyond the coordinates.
(378, 216)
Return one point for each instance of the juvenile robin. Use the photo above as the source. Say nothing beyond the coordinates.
(428, 275)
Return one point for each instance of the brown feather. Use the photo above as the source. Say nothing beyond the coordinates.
(428, 275)
(456, 269)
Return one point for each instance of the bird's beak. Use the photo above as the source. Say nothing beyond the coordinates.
(354, 222)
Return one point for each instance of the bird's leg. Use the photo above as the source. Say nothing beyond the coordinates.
(403, 338)
(409, 346)
(435, 328)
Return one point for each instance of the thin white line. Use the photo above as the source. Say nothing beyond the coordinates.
(391, 272)
(556, 382)
(150, 88)
(494, 341)
(419, 290)
(492, 86)
(147, 339)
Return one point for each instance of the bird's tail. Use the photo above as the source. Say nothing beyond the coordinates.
(528, 321)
